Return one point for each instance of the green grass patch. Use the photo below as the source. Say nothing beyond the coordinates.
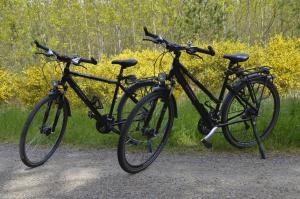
(81, 130)
(285, 136)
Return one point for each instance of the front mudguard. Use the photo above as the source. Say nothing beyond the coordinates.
(172, 98)
(56, 94)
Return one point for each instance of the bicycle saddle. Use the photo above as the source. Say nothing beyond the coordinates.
(239, 57)
(125, 63)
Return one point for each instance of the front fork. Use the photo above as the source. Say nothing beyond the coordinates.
(57, 97)
(161, 86)
(150, 132)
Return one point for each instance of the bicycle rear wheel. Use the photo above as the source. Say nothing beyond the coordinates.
(43, 131)
(130, 98)
(145, 132)
(266, 100)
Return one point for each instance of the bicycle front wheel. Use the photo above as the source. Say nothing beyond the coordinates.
(43, 131)
(145, 132)
(265, 99)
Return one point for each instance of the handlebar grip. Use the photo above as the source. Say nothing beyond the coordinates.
(148, 33)
(94, 61)
(40, 45)
(90, 61)
(212, 51)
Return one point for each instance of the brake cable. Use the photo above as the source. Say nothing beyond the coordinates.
(156, 60)
(44, 76)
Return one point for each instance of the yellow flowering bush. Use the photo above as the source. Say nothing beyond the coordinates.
(32, 85)
(6, 85)
(35, 82)
(281, 54)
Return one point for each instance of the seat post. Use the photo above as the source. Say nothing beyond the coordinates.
(231, 63)
(120, 76)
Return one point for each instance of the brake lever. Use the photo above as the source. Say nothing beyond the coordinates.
(76, 62)
(145, 39)
(45, 54)
(80, 65)
(197, 56)
(192, 52)
(154, 41)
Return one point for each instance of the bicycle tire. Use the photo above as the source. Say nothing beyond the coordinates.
(125, 140)
(265, 130)
(24, 154)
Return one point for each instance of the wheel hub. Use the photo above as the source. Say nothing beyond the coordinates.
(46, 130)
(249, 112)
(149, 132)
(102, 127)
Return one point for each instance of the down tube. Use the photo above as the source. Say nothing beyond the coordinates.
(84, 98)
(187, 89)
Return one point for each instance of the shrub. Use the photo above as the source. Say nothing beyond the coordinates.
(6, 85)
(281, 54)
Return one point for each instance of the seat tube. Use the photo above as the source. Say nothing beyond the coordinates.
(119, 78)
(222, 92)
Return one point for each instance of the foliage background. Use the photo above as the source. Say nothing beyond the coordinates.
(282, 55)
(268, 30)
(107, 27)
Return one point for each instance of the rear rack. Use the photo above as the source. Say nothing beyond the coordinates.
(258, 70)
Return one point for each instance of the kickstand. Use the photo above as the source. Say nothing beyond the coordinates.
(258, 140)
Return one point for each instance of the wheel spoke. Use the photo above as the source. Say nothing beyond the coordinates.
(142, 142)
(240, 134)
(232, 117)
(38, 140)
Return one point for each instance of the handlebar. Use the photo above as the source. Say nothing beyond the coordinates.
(90, 61)
(176, 47)
(148, 34)
(209, 51)
(63, 58)
(40, 46)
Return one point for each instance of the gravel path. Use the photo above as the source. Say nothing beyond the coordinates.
(73, 173)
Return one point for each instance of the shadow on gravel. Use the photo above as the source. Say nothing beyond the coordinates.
(96, 174)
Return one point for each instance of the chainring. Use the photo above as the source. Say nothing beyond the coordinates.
(204, 130)
(102, 127)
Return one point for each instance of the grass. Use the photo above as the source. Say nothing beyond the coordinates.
(81, 130)
(284, 137)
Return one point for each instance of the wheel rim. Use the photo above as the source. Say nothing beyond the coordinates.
(242, 132)
(143, 142)
(41, 140)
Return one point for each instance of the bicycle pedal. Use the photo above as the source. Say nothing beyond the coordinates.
(206, 143)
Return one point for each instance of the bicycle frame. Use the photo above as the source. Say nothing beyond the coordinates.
(67, 78)
(178, 70)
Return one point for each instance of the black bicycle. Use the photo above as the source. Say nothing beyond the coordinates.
(46, 124)
(246, 115)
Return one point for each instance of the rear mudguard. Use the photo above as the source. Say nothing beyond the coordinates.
(58, 94)
(172, 98)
